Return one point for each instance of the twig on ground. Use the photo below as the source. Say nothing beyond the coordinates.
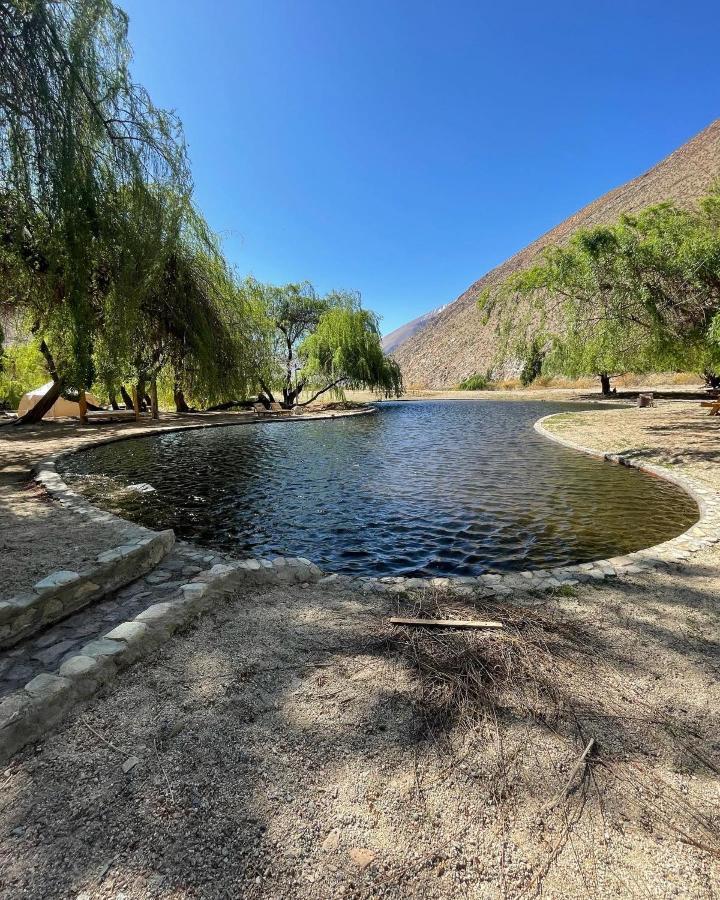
(569, 783)
(104, 739)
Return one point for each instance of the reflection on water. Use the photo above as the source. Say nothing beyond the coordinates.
(428, 488)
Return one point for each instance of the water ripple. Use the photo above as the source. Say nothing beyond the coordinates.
(430, 488)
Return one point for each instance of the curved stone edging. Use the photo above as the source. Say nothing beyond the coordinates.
(702, 534)
(64, 592)
(27, 714)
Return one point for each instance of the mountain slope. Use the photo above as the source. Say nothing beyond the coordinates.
(451, 343)
(393, 340)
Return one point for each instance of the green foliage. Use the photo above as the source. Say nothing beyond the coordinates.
(533, 364)
(476, 382)
(75, 133)
(22, 368)
(640, 295)
(104, 254)
(345, 351)
(319, 344)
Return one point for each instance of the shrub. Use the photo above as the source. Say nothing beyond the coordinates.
(22, 368)
(476, 382)
(533, 364)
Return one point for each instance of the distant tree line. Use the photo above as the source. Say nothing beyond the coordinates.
(114, 275)
(640, 295)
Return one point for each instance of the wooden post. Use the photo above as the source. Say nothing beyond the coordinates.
(136, 402)
(82, 403)
(153, 398)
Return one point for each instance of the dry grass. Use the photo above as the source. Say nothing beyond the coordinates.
(546, 675)
(467, 676)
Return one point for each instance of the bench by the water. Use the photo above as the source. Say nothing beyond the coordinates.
(274, 410)
(108, 415)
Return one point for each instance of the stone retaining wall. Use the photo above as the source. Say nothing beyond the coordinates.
(64, 592)
(28, 713)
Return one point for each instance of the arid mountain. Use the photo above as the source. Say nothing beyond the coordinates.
(393, 340)
(451, 343)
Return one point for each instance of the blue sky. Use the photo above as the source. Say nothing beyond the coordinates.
(404, 147)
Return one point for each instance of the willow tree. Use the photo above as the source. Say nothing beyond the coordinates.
(75, 131)
(639, 295)
(320, 344)
(173, 305)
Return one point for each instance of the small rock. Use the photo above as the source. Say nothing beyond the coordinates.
(130, 764)
(361, 857)
(51, 654)
(332, 841)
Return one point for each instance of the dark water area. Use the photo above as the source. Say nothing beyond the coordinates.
(422, 489)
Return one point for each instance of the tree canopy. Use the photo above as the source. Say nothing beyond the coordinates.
(104, 255)
(321, 344)
(640, 295)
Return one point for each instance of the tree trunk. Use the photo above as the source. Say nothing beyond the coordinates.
(141, 394)
(180, 404)
(266, 390)
(136, 403)
(605, 383)
(82, 404)
(113, 399)
(44, 404)
(127, 399)
(290, 398)
(154, 399)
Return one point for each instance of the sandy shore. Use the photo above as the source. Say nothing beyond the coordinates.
(288, 745)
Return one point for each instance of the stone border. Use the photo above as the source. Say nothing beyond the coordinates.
(699, 536)
(64, 592)
(27, 714)
(704, 533)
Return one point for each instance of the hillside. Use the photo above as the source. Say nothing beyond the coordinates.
(443, 347)
(393, 340)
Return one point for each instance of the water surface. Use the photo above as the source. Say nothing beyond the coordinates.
(421, 488)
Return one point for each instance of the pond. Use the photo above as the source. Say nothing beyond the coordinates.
(418, 489)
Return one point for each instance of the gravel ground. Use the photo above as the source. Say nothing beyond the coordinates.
(670, 434)
(279, 749)
(37, 538)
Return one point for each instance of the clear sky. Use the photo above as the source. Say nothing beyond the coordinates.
(404, 147)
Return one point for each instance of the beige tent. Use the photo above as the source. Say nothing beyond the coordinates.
(61, 407)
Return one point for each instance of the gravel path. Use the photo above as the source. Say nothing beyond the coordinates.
(276, 750)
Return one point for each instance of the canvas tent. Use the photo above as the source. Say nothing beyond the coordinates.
(61, 407)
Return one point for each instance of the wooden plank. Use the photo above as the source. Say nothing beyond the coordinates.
(445, 623)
